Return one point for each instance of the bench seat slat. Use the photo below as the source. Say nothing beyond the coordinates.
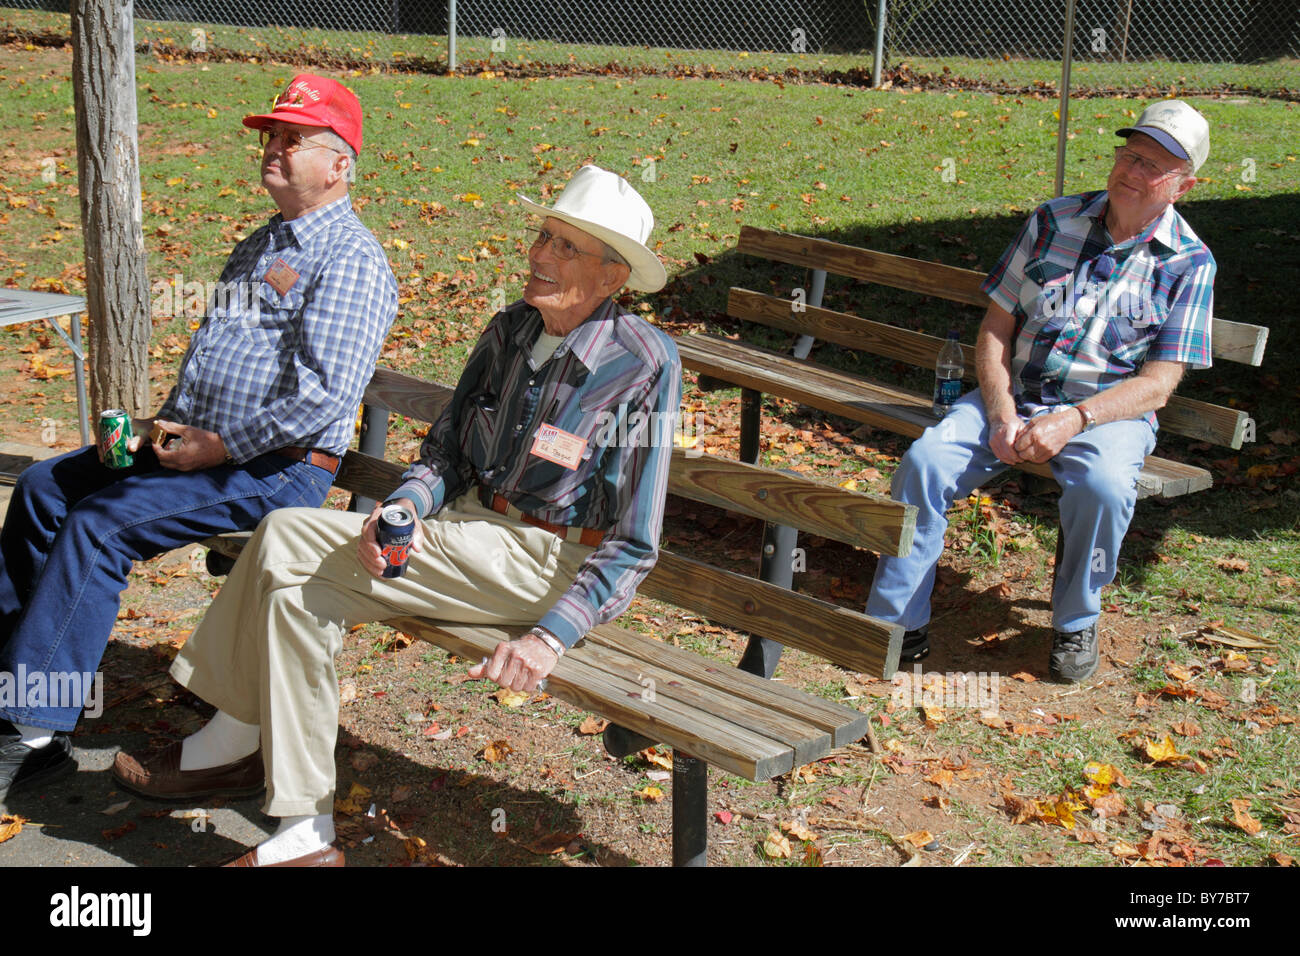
(808, 741)
(665, 718)
(845, 725)
(895, 410)
(1182, 416)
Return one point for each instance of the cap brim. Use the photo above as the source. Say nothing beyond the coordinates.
(1160, 136)
(262, 120)
(648, 273)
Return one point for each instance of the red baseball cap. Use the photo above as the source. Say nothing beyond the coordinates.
(311, 100)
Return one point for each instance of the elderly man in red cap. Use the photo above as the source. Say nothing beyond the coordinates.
(264, 406)
(542, 488)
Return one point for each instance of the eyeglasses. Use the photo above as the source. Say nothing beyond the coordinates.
(1124, 154)
(563, 248)
(291, 141)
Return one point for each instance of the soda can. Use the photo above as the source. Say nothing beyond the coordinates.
(114, 433)
(395, 530)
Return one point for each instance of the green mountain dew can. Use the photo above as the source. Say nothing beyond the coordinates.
(114, 432)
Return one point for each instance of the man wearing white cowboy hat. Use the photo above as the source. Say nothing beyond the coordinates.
(542, 487)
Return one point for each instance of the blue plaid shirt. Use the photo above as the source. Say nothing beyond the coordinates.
(266, 368)
(615, 382)
(1090, 312)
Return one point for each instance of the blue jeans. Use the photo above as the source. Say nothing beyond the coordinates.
(71, 533)
(1097, 472)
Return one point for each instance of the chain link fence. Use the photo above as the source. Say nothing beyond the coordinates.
(1211, 44)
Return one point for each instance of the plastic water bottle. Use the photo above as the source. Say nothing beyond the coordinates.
(948, 370)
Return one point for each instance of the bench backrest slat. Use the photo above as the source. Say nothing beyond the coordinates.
(916, 275)
(864, 520)
(841, 636)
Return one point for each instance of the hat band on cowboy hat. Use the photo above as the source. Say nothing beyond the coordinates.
(1177, 127)
(311, 100)
(604, 205)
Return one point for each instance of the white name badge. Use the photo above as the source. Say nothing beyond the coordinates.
(557, 445)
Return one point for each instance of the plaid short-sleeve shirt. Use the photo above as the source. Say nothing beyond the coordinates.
(1090, 312)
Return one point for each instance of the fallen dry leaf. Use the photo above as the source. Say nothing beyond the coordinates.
(551, 844)
(941, 778)
(1024, 676)
(10, 826)
(650, 793)
(511, 698)
(652, 756)
(593, 725)
(919, 838)
(1242, 819)
(776, 846)
(1163, 751)
(798, 830)
(356, 801)
(496, 751)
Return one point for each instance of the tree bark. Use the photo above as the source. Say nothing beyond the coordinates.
(108, 176)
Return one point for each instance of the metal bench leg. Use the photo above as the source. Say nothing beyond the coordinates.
(751, 410)
(690, 810)
(374, 437)
(775, 567)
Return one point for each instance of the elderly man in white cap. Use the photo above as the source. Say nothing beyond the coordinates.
(1097, 308)
(542, 491)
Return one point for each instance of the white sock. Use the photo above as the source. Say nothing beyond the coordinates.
(297, 836)
(34, 737)
(223, 740)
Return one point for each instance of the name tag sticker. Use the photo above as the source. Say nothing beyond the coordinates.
(554, 444)
(281, 276)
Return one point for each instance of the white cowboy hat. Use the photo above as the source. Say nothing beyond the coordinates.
(604, 205)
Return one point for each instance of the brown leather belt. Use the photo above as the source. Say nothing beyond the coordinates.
(591, 537)
(312, 456)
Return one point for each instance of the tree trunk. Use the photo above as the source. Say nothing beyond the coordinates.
(108, 177)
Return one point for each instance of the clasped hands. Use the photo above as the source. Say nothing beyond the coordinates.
(519, 665)
(1038, 439)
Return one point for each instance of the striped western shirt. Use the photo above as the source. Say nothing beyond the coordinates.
(1090, 312)
(290, 338)
(614, 383)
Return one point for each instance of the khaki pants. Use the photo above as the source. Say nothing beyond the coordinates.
(265, 651)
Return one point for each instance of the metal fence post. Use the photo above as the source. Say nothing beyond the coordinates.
(881, 13)
(451, 36)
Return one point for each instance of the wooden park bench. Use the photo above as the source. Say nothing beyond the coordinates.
(731, 718)
(724, 362)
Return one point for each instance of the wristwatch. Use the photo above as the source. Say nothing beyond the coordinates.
(1089, 420)
(548, 639)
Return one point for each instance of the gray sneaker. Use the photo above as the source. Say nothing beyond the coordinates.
(1075, 656)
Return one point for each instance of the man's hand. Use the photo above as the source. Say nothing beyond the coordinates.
(369, 553)
(1002, 440)
(519, 664)
(1045, 435)
(191, 449)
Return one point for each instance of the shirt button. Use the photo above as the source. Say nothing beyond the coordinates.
(531, 382)
(519, 428)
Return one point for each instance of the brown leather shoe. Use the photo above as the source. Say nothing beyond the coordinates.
(326, 856)
(159, 775)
